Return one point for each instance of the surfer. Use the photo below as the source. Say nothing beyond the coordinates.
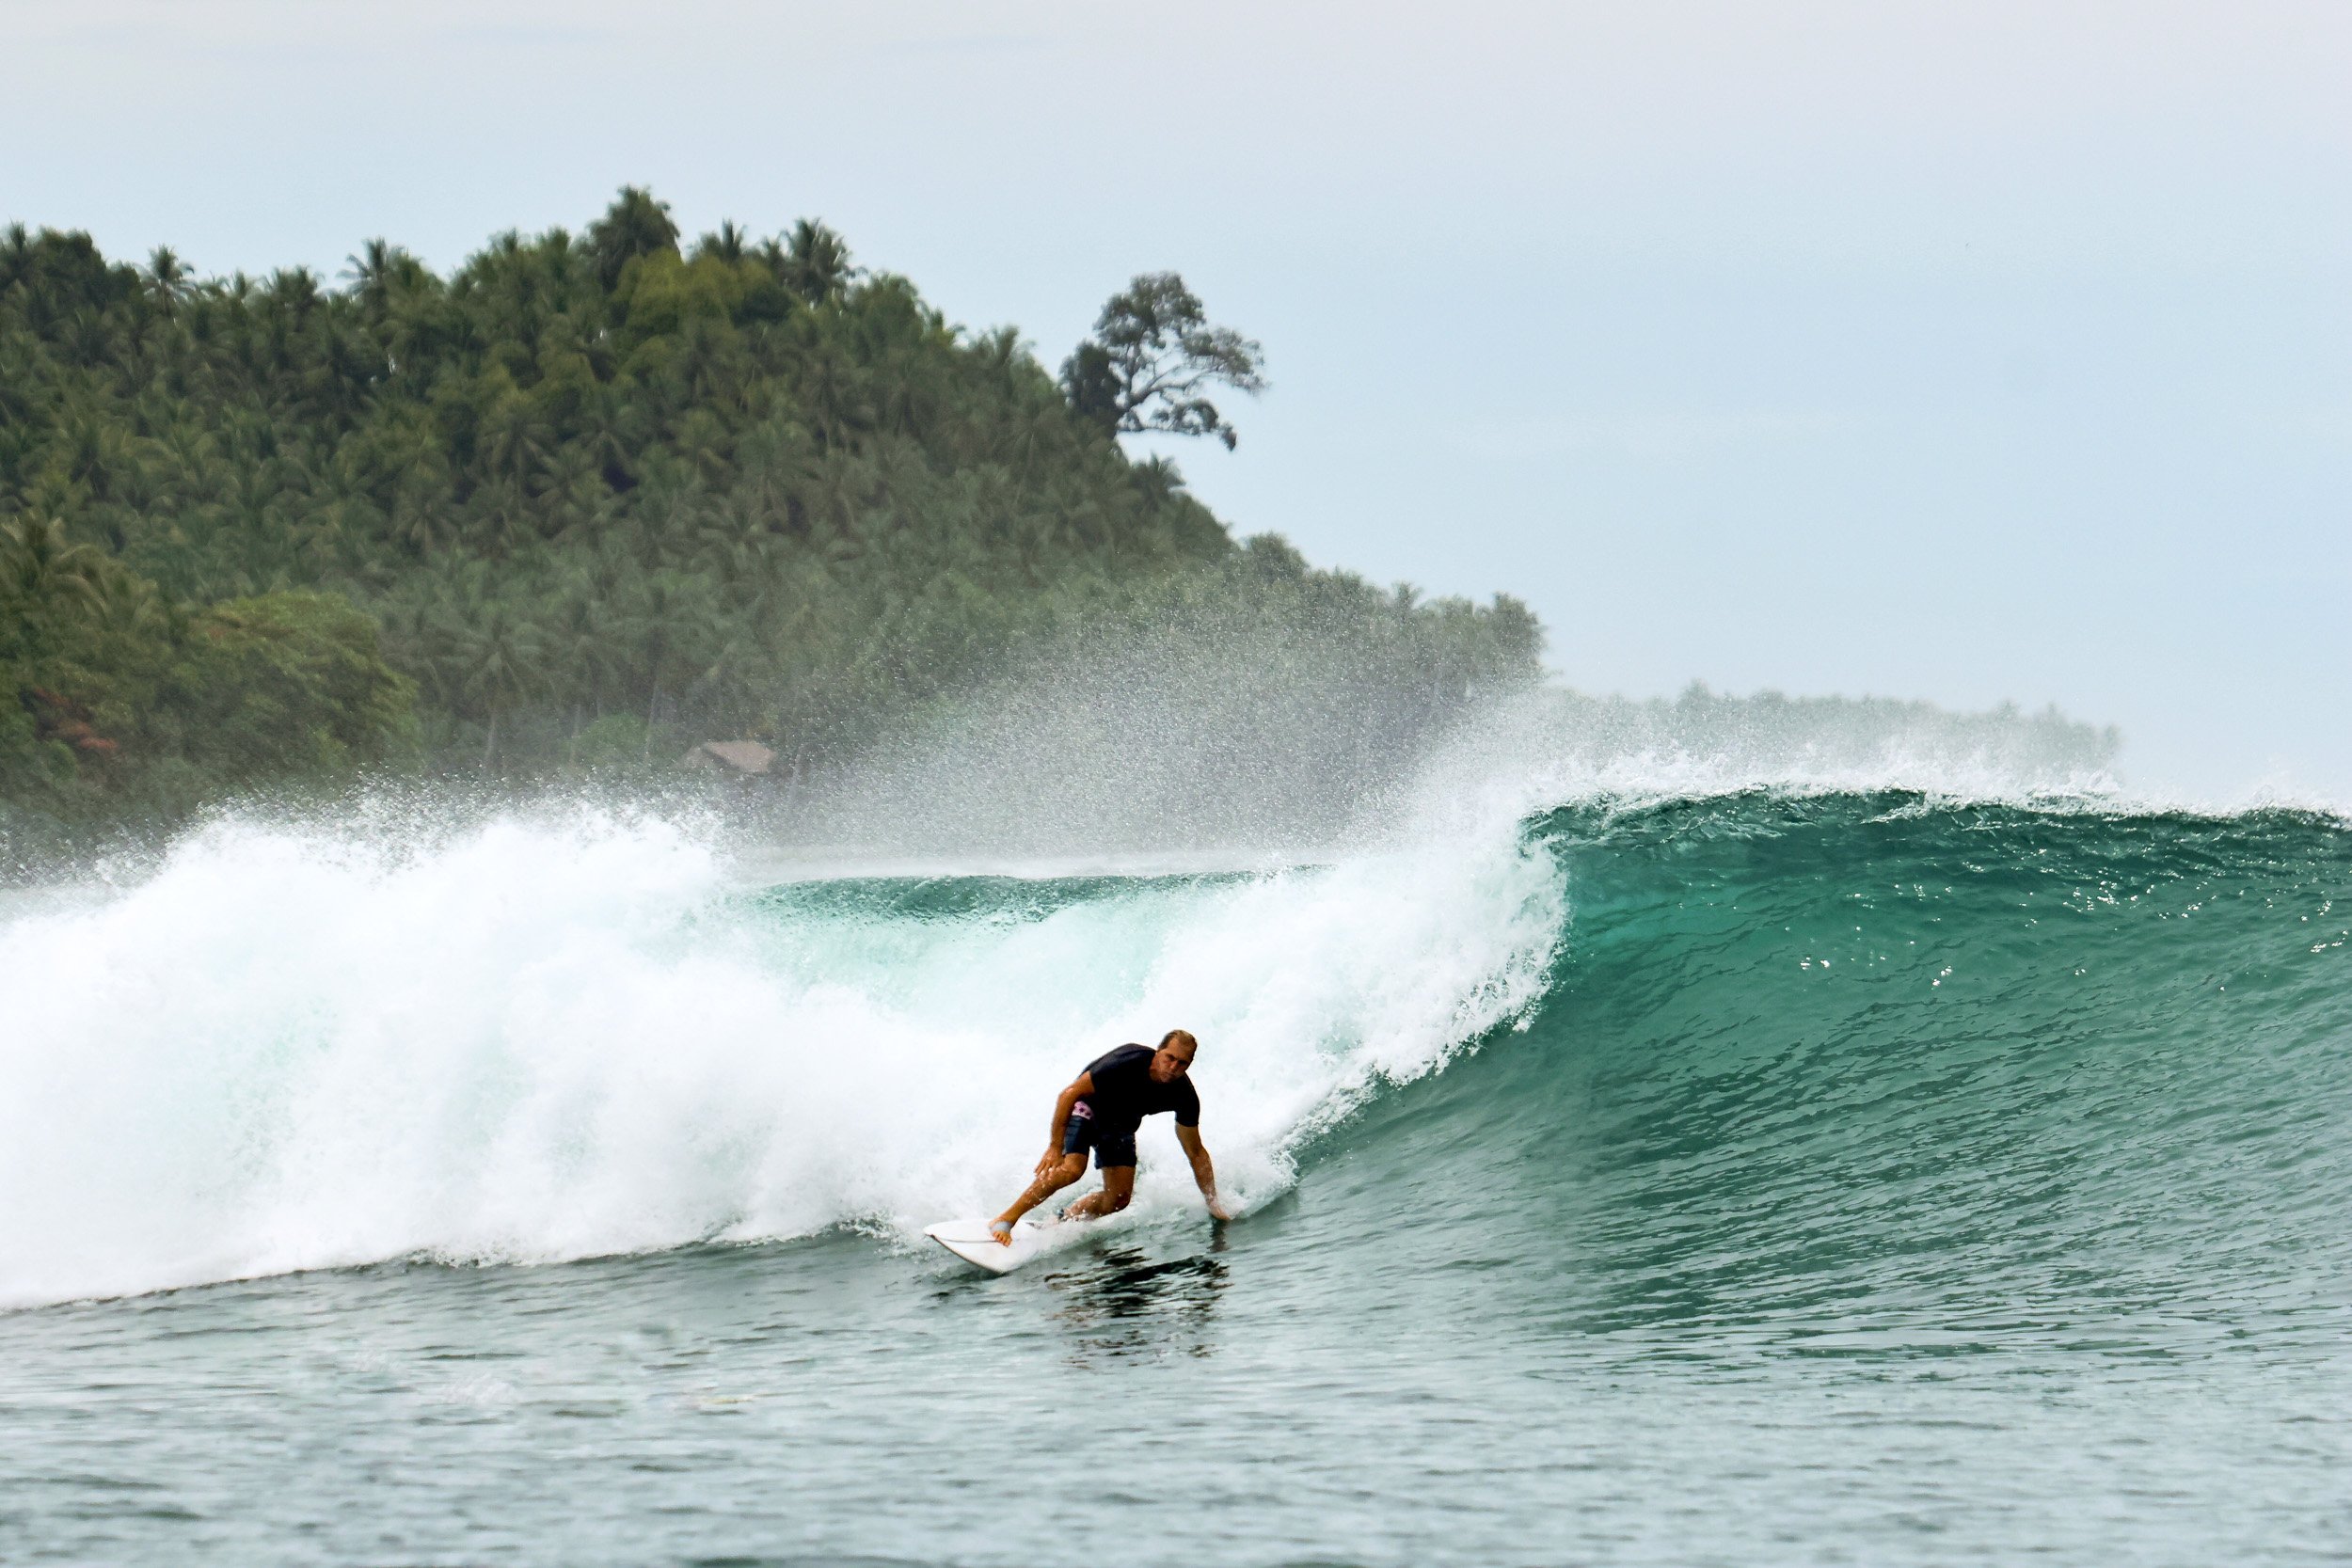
(1100, 1110)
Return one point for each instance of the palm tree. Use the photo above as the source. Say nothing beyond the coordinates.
(583, 639)
(500, 657)
(1157, 481)
(378, 269)
(728, 244)
(167, 279)
(516, 440)
(125, 606)
(16, 254)
(661, 612)
(38, 565)
(817, 263)
(635, 225)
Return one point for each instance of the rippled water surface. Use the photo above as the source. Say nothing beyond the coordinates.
(1831, 1180)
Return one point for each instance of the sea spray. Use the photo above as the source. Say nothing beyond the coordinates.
(449, 1029)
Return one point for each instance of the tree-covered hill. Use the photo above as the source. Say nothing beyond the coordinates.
(591, 498)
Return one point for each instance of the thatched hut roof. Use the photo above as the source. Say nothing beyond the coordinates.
(733, 756)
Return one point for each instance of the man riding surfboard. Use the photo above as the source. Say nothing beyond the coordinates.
(1100, 1110)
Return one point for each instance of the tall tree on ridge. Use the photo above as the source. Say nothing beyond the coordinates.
(1152, 351)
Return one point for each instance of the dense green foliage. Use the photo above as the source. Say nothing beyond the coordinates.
(116, 697)
(598, 494)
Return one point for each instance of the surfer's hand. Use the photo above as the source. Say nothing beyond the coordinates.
(1048, 1161)
(1218, 1210)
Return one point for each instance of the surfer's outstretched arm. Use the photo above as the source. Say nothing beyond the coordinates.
(1202, 1171)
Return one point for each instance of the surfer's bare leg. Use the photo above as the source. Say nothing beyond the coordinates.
(1054, 1173)
(1118, 1185)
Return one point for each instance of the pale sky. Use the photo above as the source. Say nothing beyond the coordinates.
(1966, 351)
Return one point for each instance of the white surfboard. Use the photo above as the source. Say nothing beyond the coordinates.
(970, 1240)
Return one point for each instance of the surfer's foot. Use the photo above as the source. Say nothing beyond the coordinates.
(1002, 1230)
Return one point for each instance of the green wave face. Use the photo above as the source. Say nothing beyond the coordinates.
(1864, 1074)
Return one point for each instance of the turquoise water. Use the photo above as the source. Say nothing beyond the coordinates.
(1750, 1179)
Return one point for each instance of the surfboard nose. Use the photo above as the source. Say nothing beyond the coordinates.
(974, 1244)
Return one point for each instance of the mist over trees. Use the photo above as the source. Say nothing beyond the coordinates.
(594, 497)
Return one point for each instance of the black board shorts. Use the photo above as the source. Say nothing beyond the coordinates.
(1113, 1148)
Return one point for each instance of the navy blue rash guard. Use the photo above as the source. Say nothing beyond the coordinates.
(1124, 1093)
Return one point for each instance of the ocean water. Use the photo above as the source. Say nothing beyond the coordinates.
(1690, 1176)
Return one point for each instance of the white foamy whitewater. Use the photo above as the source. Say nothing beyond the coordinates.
(533, 1040)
